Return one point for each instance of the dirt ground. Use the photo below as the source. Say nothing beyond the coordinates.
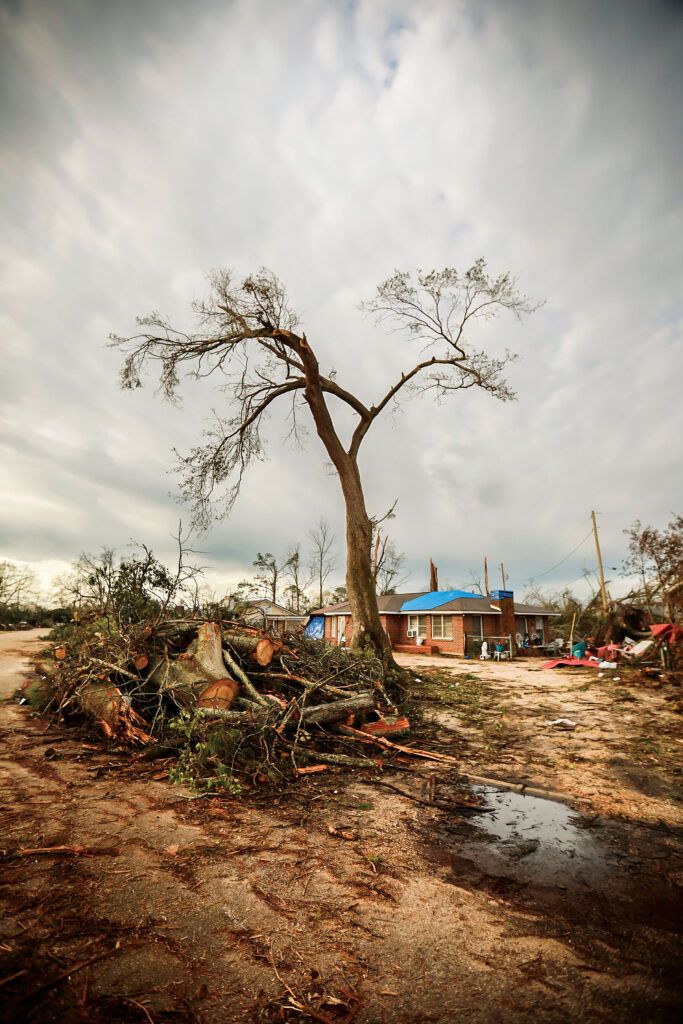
(342, 899)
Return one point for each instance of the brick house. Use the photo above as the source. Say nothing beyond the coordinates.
(444, 621)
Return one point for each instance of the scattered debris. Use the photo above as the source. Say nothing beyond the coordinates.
(562, 723)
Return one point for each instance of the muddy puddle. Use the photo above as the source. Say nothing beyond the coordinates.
(542, 854)
(532, 839)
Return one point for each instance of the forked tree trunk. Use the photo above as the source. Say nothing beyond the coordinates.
(360, 586)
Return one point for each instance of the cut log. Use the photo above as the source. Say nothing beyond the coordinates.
(259, 648)
(141, 661)
(220, 694)
(338, 710)
(188, 676)
(60, 653)
(111, 710)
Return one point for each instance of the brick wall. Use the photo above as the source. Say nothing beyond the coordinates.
(396, 628)
(454, 646)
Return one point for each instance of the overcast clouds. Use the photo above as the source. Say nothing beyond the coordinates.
(144, 143)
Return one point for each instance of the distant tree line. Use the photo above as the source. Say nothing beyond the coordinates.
(136, 586)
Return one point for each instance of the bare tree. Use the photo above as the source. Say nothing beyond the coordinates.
(294, 571)
(389, 566)
(271, 570)
(322, 562)
(656, 558)
(250, 337)
(129, 589)
(18, 586)
(90, 582)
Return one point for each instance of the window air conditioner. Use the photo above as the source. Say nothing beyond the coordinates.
(412, 632)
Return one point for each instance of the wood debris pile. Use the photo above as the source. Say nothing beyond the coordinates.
(230, 701)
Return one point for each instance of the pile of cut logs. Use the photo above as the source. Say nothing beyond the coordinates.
(297, 697)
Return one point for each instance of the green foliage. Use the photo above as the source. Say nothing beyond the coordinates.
(201, 764)
(128, 590)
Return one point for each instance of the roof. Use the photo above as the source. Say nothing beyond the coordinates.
(273, 610)
(435, 599)
(409, 604)
(533, 609)
(385, 603)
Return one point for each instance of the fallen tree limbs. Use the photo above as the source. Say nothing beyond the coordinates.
(440, 805)
(380, 741)
(231, 703)
(321, 714)
(62, 851)
(244, 679)
(340, 760)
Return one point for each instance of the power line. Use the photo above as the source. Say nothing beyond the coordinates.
(537, 576)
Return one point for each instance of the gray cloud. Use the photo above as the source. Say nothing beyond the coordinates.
(145, 143)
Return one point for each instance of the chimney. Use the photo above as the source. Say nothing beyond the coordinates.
(433, 577)
(505, 600)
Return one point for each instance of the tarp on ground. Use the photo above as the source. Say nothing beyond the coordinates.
(425, 602)
(571, 663)
(667, 631)
(315, 627)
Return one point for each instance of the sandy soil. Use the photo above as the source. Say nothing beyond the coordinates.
(214, 910)
(623, 758)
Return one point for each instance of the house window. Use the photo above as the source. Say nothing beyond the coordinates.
(474, 624)
(417, 625)
(442, 627)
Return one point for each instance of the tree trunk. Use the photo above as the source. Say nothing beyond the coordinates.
(360, 586)
(367, 629)
(187, 676)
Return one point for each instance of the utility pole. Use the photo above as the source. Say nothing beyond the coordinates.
(502, 573)
(602, 574)
(486, 576)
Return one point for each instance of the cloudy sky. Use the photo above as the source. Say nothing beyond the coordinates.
(145, 142)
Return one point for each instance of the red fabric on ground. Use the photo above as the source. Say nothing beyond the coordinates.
(667, 631)
(570, 663)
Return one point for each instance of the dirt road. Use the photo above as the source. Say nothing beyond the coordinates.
(340, 897)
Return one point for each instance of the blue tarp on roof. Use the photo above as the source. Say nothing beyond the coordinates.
(426, 602)
(316, 627)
